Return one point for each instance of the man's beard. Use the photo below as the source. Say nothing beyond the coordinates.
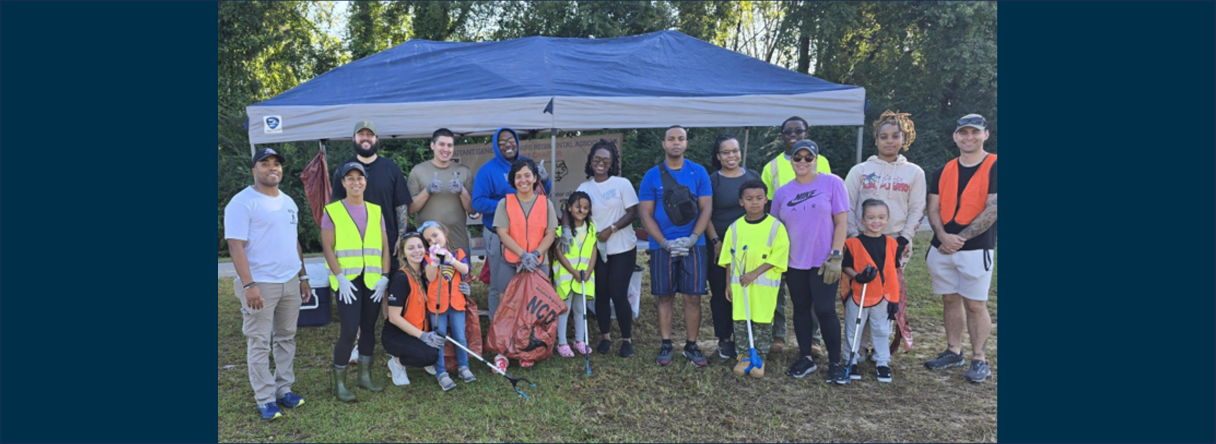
(368, 152)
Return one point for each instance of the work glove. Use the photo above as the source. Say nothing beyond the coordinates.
(346, 290)
(830, 270)
(892, 309)
(528, 262)
(866, 275)
(691, 240)
(378, 290)
(541, 173)
(564, 242)
(435, 185)
(465, 289)
(431, 339)
(899, 251)
(455, 186)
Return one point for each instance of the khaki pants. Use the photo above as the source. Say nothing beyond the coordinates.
(277, 317)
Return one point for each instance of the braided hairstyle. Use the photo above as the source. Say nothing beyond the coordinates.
(604, 144)
(901, 121)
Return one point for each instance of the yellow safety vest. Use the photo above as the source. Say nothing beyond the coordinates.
(762, 293)
(356, 256)
(580, 258)
(775, 179)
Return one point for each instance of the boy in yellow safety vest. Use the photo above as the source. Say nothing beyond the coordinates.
(759, 245)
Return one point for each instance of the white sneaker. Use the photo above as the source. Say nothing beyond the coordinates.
(430, 370)
(398, 371)
(354, 355)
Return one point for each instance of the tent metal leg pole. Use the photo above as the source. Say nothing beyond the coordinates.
(552, 152)
(253, 150)
(860, 131)
(746, 132)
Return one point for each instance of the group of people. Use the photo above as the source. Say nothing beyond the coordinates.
(748, 236)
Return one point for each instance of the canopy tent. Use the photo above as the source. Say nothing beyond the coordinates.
(651, 80)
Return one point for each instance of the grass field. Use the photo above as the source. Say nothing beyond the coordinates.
(629, 399)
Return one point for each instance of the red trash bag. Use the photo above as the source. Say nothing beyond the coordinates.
(484, 277)
(525, 325)
(316, 185)
(472, 335)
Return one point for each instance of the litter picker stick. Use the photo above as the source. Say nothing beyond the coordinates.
(514, 380)
(586, 333)
(857, 330)
(751, 343)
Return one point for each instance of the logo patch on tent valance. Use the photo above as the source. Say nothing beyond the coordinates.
(273, 124)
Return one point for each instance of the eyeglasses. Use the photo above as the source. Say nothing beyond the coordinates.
(601, 160)
(973, 121)
(412, 233)
(728, 153)
(790, 132)
(806, 158)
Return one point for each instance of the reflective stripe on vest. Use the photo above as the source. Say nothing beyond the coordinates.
(761, 280)
(580, 259)
(974, 197)
(356, 255)
(889, 284)
(527, 231)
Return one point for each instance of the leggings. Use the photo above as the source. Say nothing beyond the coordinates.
(612, 284)
(718, 305)
(811, 295)
(358, 317)
(412, 351)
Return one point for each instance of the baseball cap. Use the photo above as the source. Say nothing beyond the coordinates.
(267, 152)
(806, 144)
(972, 120)
(365, 124)
(351, 166)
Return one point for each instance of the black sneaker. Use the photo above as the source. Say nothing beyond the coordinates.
(801, 367)
(626, 349)
(836, 374)
(978, 372)
(946, 359)
(853, 373)
(693, 353)
(665, 354)
(726, 349)
(604, 347)
(884, 373)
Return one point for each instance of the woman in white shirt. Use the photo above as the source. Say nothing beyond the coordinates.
(614, 205)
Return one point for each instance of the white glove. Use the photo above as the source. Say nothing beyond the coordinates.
(346, 290)
(381, 286)
(541, 173)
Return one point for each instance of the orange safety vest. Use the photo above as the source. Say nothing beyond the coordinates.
(975, 195)
(443, 292)
(889, 284)
(527, 231)
(414, 310)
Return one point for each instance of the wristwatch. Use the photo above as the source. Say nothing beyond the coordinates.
(836, 253)
(714, 241)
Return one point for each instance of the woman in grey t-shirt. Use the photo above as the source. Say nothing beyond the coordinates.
(725, 182)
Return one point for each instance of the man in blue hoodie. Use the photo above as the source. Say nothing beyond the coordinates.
(489, 187)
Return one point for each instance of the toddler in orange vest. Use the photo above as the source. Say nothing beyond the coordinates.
(874, 254)
(446, 266)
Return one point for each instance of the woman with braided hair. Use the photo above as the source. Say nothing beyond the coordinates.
(889, 176)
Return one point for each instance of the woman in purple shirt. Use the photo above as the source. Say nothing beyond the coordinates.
(815, 209)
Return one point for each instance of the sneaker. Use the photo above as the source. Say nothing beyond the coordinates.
(291, 400)
(853, 373)
(726, 349)
(270, 410)
(445, 381)
(946, 359)
(884, 373)
(801, 367)
(398, 373)
(466, 374)
(627, 350)
(836, 374)
(978, 371)
(581, 348)
(605, 346)
(665, 353)
(564, 351)
(501, 362)
(694, 354)
(430, 370)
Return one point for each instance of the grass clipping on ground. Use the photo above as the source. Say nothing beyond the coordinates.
(630, 399)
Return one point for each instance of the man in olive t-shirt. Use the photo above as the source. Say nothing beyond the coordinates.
(440, 189)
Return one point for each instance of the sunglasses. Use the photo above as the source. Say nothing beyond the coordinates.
(806, 158)
(790, 132)
(972, 121)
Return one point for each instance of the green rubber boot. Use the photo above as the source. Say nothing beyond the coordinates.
(337, 385)
(365, 374)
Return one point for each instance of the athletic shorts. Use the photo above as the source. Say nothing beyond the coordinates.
(671, 275)
(967, 273)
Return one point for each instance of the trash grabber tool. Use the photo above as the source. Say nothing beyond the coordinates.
(514, 380)
(856, 331)
(586, 332)
(754, 357)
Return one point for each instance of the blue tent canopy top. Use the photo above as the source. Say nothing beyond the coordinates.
(643, 81)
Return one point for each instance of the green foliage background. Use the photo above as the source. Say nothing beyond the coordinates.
(935, 60)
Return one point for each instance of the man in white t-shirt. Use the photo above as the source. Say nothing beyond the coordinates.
(261, 224)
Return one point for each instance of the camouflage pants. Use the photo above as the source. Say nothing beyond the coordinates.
(761, 333)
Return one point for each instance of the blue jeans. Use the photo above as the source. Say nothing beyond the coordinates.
(456, 320)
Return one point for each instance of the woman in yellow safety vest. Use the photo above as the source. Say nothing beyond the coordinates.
(356, 251)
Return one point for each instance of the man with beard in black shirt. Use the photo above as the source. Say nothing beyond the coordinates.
(386, 184)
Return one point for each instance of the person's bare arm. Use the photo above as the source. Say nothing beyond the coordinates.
(467, 201)
(648, 222)
(327, 246)
(305, 289)
(545, 242)
(508, 242)
(386, 258)
(394, 317)
(949, 242)
(841, 222)
(707, 209)
(253, 296)
(982, 222)
(419, 201)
